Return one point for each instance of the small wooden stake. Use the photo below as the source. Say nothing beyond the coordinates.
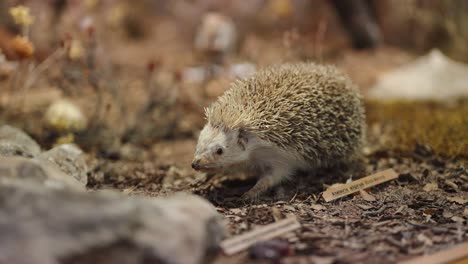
(241, 242)
(457, 254)
(337, 192)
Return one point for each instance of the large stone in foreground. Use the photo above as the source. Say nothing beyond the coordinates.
(43, 225)
(19, 171)
(69, 159)
(15, 142)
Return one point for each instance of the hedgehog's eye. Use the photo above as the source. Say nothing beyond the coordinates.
(219, 151)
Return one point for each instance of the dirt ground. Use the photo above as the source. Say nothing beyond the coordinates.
(423, 211)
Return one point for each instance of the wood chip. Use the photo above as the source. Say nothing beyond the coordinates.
(317, 207)
(401, 208)
(277, 215)
(367, 196)
(447, 256)
(431, 187)
(333, 193)
(241, 242)
(364, 207)
(424, 239)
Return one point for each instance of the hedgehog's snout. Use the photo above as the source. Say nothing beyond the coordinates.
(196, 164)
(202, 164)
(199, 164)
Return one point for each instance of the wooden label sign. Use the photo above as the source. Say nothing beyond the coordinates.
(241, 242)
(337, 192)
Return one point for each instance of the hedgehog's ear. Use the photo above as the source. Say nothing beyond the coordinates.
(242, 138)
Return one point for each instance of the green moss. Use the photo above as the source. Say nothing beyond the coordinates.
(444, 128)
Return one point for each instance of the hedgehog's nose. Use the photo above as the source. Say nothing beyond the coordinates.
(196, 164)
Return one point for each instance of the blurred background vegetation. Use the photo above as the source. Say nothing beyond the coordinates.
(136, 71)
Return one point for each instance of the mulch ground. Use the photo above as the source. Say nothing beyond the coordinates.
(423, 211)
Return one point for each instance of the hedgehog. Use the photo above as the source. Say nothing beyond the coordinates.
(281, 120)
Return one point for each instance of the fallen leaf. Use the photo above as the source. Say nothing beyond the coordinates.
(403, 207)
(365, 207)
(235, 210)
(457, 199)
(317, 207)
(366, 196)
(447, 214)
(424, 239)
(290, 208)
(457, 219)
(429, 211)
(451, 184)
(431, 187)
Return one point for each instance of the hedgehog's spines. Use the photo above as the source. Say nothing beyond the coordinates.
(310, 109)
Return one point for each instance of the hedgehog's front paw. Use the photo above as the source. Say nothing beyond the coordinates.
(250, 196)
(262, 185)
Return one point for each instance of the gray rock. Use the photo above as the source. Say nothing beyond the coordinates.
(15, 142)
(69, 159)
(40, 225)
(18, 171)
(432, 77)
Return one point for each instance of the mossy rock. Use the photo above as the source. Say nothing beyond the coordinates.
(405, 124)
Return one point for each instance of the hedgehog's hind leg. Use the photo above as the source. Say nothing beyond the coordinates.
(273, 175)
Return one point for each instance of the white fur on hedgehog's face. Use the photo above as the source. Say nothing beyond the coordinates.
(220, 149)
